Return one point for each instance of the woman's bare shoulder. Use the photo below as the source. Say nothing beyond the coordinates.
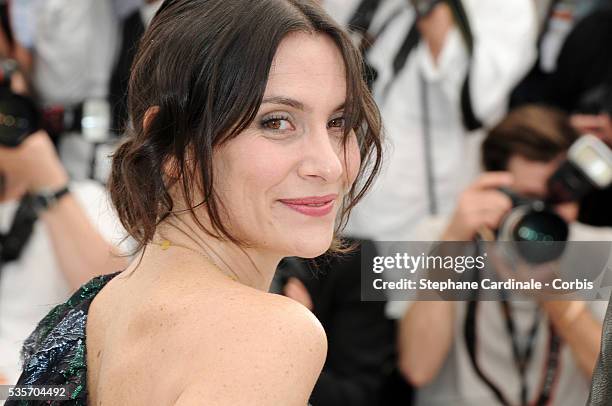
(285, 318)
(263, 349)
(265, 317)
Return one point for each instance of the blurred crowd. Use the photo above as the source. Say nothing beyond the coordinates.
(476, 96)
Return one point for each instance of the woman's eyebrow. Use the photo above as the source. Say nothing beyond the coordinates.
(340, 107)
(287, 101)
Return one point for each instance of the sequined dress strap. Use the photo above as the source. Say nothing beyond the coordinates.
(55, 353)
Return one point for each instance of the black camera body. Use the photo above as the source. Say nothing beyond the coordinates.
(587, 167)
(19, 116)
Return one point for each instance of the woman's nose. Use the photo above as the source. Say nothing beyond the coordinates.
(322, 156)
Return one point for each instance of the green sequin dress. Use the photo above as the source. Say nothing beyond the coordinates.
(55, 353)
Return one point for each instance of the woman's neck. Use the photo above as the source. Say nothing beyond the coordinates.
(250, 266)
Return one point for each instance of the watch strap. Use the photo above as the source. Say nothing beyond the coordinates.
(45, 200)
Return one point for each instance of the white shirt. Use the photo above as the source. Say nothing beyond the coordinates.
(23, 21)
(504, 49)
(341, 10)
(32, 285)
(75, 42)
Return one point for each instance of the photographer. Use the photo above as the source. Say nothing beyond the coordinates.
(66, 49)
(133, 27)
(574, 73)
(72, 46)
(582, 85)
(64, 249)
(443, 70)
(48, 242)
(521, 154)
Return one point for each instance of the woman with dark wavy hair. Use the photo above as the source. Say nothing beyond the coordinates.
(253, 135)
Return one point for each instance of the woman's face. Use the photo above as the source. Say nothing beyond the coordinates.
(283, 179)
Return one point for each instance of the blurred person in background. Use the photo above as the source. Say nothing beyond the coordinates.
(578, 68)
(132, 29)
(66, 233)
(595, 207)
(366, 20)
(558, 22)
(67, 49)
(72, 44)
(582, 86)
(54, 234)
(557, 342)
(444, 68)
(574, 73)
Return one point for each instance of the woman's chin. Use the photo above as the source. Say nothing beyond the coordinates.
(312, 247)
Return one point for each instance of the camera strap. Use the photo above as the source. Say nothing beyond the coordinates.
(362, 18)
(401, 58)
(470, 121)
(522, 357)
(428, 150)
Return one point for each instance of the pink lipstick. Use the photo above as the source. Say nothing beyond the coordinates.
(315, 206)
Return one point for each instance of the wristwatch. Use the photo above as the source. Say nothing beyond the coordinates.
(45, 199)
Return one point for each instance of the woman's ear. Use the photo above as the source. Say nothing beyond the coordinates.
(149, 116)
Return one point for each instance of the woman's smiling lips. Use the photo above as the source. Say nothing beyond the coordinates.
(315, 206)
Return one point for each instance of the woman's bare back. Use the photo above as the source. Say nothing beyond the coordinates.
(152, 337)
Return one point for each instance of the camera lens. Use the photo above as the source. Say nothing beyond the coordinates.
(540, 226)
(538, 233)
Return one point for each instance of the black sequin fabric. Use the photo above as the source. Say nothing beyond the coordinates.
(55, 353)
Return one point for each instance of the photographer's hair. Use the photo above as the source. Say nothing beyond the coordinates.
(203, 66)
(534, 132)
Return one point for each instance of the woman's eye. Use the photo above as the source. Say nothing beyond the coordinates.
(337, 123)
(277, 124)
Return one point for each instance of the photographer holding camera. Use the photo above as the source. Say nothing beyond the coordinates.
(574, 73)
(520, 352)
(51, 230)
